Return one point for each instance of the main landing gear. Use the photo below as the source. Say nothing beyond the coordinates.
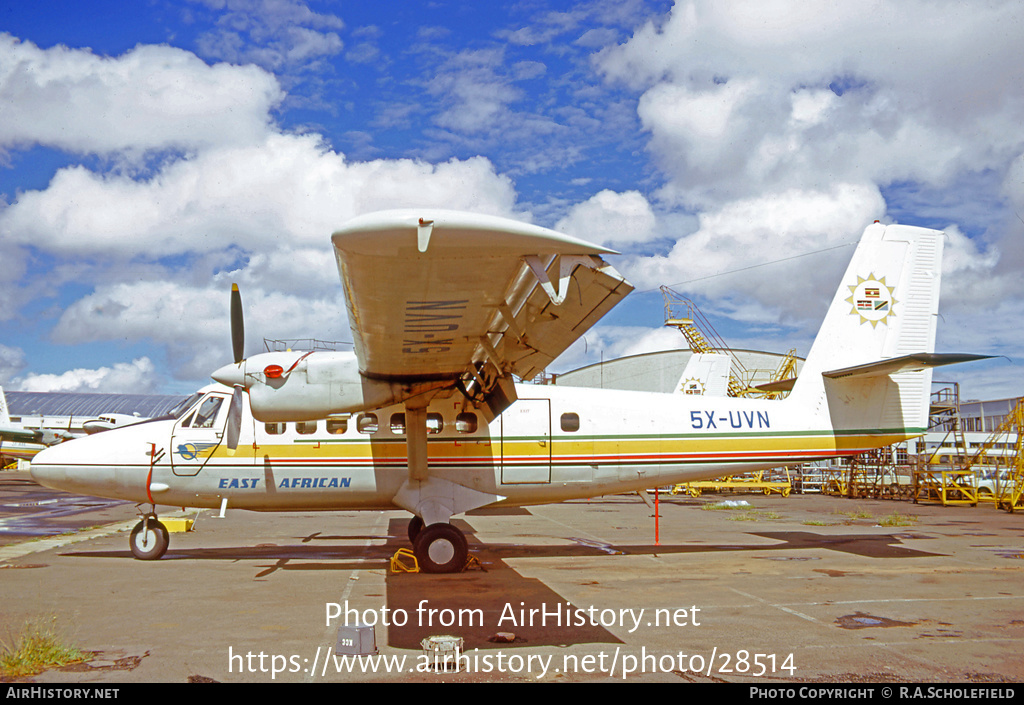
(439, 548)
(149, 538)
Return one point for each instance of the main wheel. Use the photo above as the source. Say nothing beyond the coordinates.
(441, 548)
(149, 540)
(415, 527)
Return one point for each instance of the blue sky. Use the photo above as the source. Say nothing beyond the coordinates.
(152, 153)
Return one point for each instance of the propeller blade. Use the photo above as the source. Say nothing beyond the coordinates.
(234, 418)
(237, 325)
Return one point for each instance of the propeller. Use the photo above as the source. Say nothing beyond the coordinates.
(234, 418)
(238, 348)
(237, 325)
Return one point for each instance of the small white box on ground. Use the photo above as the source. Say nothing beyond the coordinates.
(356, 640)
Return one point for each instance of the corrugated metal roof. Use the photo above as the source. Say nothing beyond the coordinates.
(91, 405)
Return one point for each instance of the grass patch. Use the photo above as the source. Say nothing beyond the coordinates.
(753, 515)
(35, 648)
(854, 515)
(815, 522)
(897, 519)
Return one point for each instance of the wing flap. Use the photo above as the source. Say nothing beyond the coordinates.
(542, 328)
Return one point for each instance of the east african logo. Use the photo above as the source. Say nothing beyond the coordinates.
(872, 300)
(195, 451)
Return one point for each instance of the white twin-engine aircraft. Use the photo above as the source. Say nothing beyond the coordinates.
(446, 310)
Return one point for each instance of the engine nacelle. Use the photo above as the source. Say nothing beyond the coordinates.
(295, 386)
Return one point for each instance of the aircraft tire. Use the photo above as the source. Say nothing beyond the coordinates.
(441, 548)
(415, 527)
(151, 544)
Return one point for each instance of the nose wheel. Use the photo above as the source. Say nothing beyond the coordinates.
(441, 548)
(149, 539)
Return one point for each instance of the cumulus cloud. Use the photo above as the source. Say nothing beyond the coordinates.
(155, 254)
(741, 97)
(191, 322)
(136, 377)
(779, 228)
(610, 218)
(783, 125)
(261, 216)
(150, 98)
(286, 188)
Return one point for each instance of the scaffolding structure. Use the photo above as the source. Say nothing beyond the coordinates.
(951, 482)
(701, 336)
(881, 473)
(1006, 469)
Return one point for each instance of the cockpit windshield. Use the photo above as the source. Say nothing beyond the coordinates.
(178, 411)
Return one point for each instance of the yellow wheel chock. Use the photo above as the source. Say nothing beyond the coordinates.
(404, 561)
(397, 565)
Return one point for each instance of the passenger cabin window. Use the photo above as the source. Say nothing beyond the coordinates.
(570, 422)
(366, 423)
(435, 423)
(274, 429)
(305, 427)
(466, 422)
(337, 426)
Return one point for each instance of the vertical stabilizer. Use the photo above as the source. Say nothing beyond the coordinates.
(706, 374)
(5, 416)
(886, 307)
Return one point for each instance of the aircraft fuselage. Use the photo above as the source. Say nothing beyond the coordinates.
(553, 444)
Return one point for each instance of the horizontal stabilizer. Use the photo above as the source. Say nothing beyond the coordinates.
(906, 363)
(783, 385)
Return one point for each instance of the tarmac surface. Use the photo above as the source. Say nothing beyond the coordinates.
(802, 589)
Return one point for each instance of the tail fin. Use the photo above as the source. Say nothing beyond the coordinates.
(706, 374)
(5, 416)
(869, 369)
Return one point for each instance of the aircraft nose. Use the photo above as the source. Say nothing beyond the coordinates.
(47, 469)
(232, 374)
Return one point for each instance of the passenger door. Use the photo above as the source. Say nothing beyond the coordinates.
(526, 442)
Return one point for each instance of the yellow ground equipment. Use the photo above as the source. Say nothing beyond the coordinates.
(757, 482)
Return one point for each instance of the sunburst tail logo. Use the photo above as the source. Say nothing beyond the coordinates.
(872, 299)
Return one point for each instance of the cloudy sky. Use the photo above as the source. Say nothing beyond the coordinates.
(152, 153)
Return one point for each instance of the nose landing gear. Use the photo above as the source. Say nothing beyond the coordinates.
(149, 539)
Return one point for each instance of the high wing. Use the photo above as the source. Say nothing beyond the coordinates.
(438, 301)
(447, 295)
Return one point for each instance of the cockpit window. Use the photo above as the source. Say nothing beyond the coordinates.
(207, 412)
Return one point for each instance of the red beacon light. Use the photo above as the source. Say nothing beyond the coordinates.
(273, 371)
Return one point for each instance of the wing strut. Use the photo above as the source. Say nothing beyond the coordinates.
(416, 439)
